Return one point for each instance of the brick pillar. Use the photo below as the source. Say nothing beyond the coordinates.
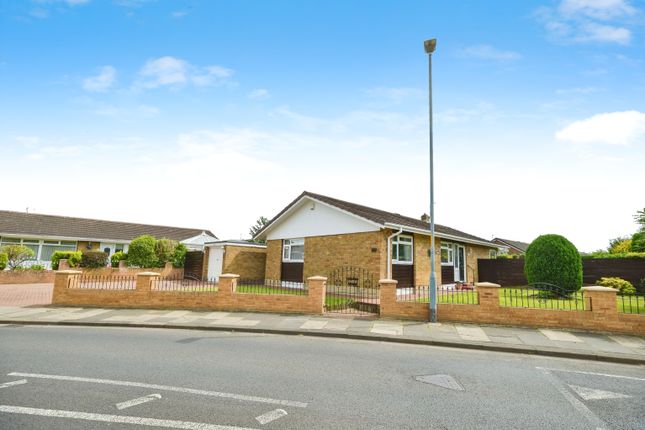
(122, 266)
(601, 299)
(167, 268)
(317, 286)
(227, 283)
(488, 295)
(63, 264)
(146, 281)
(64, 279)
(387, 296)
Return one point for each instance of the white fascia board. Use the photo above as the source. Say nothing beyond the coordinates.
(442, 235)
(200, 239)
(225, 243)
(297, 204)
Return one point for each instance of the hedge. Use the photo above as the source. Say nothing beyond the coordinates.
(4, 259)
(94, 259)
(73, 258)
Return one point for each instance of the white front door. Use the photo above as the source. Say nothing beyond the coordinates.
(108, 248)
(215, 260)
(460, 263)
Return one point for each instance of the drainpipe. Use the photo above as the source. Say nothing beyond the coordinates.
(389, 252)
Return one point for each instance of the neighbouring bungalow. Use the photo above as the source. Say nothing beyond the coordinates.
(510, 247)
(46, 234)
(316, 234)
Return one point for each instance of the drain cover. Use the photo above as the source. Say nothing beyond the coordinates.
(443, 381)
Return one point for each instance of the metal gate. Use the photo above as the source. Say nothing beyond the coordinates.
(352, 290)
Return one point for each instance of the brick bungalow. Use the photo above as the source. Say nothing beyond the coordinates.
(316, 234)
(45, 234)
(510, 247)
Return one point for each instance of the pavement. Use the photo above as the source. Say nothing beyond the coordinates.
(548, 342)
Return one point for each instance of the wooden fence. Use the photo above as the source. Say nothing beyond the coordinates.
(511, 272)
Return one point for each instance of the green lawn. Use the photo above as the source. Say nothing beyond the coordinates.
(512, 297)
(631, 304)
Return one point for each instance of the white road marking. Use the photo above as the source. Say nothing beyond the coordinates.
(629, 342)
(314, 325)
(122, 419)
(594, 394)
(271, 416)
(582, 372)
(563, 336)
(472, 333)
(139, 401)
(164, 388)
(12, 383)
(577, 404)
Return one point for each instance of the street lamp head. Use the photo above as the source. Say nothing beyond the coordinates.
(430, 45)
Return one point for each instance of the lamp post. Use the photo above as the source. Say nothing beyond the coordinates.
(430, 46)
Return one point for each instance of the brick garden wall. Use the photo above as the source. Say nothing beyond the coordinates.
(603, 315)
(226, 298)
(47, 276)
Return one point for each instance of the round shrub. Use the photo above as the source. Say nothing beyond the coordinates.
(638, 241)
(179, 255)
(624, 287)
(553, 259)
(116, 257)
(141, 252)
(4, 259)
(165, 249)
(94, 259)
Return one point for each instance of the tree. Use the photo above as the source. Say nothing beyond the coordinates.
(16, 255)
(620, 245)
(255, 229)
(551, 258)
(638, 241)
(639, 217)
(141, 252)
(165, 249)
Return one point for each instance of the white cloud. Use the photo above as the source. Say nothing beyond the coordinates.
(598, 9)
(488, 52)
(28, 141)
(101, 82)
(171, 71)
(613, 128)
(578, 90)
(179, 14)
(588, 21)
(259, 94)
(592, 32)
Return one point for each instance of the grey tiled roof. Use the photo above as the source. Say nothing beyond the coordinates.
(514, 243)
(381, 217)
(25, 224)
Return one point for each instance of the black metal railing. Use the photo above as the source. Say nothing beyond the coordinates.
(271, 286)
(185, 285)
(464, 295)
(631, 303)
(352, 290)
(542, 296)
(104, 282)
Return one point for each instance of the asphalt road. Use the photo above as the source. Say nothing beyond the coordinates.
(117, 378)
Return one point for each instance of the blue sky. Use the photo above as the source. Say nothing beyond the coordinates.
(212, 113)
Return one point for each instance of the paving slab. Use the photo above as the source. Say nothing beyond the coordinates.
(597, 346)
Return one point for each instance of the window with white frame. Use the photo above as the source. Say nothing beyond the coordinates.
(447, 254)
(293, 250)
(43, 249)
(492, 253)
(402, 249)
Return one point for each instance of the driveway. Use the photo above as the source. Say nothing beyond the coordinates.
(25, 294)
